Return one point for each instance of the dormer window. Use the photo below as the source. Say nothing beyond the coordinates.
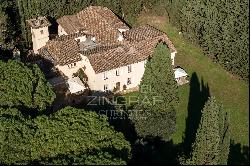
(120, 37)
(117, 72)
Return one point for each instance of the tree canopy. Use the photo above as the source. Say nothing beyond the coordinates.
(211, 146)
(158, 97)
(222, 29)
(24, 86)
(69, 136)
(3, 26)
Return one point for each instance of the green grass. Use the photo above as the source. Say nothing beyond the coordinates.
(230, 91)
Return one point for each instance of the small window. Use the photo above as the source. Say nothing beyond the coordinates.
(68, 66)
(78, 40)
(117, 72)
(105, 75)
(41, 32)
(74, 64)
(129, 68)
(129, 81)
(105, 88)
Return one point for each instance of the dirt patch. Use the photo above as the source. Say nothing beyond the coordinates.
(152, 20)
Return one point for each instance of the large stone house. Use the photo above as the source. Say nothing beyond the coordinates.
(111, 54)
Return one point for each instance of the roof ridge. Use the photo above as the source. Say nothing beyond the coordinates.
(70, 36)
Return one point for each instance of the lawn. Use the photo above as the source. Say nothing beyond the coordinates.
(228, 89)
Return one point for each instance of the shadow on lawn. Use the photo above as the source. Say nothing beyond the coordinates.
(154, 152)
(238, 155)
(198, 95)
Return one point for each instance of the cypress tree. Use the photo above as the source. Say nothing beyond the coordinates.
(3, 26)
(211, 146)
(158, 97)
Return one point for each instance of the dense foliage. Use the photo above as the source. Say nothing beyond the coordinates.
(8, 23)
(211, 146)
(24, 86)
(69, 136)
(222, 29)
(15, 134)
(158, 97)
(3, 26)
(55, 9)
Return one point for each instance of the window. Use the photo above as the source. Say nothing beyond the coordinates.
(105, 88)
(105, 75)
(129, 68)
(41, 31)
(117, 72)
(78, 40)
(74, 64)
(129, 81)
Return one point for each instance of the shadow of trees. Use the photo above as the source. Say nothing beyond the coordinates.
(5, 54)
(198, 95)
(144, 151)
(238, 155)
(154, 152)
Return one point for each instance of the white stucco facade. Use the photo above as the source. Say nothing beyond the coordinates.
(173, 57)
(96, 81)
(70, 69)
(61, 31)
(40, 37)
(129, 79)
(129, 76)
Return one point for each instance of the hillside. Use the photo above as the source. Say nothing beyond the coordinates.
(228, 89)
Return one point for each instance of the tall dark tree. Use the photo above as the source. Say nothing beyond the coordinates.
(130, 10)
(211, 146)
(3, 26)
(158, 97)
(8, 24)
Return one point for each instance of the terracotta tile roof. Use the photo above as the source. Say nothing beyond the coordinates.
(71, 36)
(70, 24)
(96, 20)
(147, 32)
(61, 52)
(138, 45)
(123, 55)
